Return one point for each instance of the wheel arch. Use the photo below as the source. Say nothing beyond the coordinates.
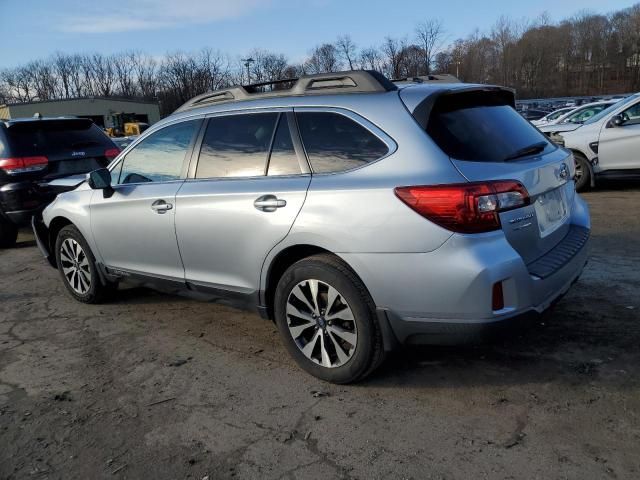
(592, 177)
(283, 260)
(55, 225)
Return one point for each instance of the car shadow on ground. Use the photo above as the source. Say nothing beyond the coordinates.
(606, 185)
(567, 344)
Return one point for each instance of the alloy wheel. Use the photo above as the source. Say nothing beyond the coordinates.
(75, 266)
(578, 175)
(321, 323)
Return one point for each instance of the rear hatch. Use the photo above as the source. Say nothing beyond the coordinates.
(487, 140)
(55, 148)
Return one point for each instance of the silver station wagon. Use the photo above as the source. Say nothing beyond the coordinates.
(357, 213)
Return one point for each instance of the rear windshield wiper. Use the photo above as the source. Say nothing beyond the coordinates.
(530, 150)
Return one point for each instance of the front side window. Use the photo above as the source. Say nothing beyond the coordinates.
(335, 143)
(236, 146)
(631, 115)
(160, 156)
(283, 159)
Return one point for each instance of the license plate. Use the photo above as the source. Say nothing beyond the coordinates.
(551, 210)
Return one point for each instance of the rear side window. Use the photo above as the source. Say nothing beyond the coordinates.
(482, 127)
(236, 146)
(335, 143)
(51, 137)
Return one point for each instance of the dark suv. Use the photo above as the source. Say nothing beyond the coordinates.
(34, 151)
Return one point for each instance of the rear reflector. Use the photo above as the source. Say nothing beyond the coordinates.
(16, 165)
(465, 207)
(497, 297)
(111, 153)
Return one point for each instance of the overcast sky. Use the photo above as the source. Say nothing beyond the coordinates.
(32, 29)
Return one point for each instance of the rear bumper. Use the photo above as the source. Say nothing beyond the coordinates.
(447, 331)
(22, 200)
(445, 296)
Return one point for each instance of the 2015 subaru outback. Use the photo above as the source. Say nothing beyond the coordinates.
(357, 213)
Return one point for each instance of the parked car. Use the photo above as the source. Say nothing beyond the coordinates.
(358, 214)
(607, 144)
(124, 142)
(36, 150)
(572, 120)
(534, 114)
(551, 117)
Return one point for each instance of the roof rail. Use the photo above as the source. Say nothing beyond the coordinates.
(434, 78)
(353, 81)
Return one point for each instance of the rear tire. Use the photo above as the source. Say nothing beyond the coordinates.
(8, 234)
(77, 267)
(583, 174)
(327, 320)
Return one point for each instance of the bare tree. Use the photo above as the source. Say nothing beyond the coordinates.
(394, 51)
(146, 71)
(104, 74)
(430, 35)
(371, 59)
(347, 50)
(324, 58)
(124, 66)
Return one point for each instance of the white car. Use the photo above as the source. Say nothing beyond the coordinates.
(607, 144)
(575, 118)
(553, 116)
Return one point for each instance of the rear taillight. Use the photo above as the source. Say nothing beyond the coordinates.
(17, 165)
(111, 153)
(465, 207)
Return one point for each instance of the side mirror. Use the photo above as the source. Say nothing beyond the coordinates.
(101, 180)
(616, 121)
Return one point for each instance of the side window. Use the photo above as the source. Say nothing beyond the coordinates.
(283, 159)
(115, 173)
(335, 143)
(236, 146)
(160, 156)
(632, 115)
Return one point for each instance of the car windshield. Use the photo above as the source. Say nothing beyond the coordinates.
(615, 106)
(583, 114)
(556, 114)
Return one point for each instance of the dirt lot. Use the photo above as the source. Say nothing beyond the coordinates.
(151, 386)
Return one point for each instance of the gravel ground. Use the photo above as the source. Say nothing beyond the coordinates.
(156, 386)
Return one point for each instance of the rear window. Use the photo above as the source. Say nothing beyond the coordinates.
(49, 137)
(482, 127)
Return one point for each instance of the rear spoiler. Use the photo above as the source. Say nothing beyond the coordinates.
(423, 110)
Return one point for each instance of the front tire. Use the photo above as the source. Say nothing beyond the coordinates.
(327, 320)
(583, 174)
(8, 234)
(77, 267)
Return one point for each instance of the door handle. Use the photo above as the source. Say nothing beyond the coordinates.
(269, 203)
(160, 206)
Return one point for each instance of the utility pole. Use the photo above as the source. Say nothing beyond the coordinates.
(247, 63)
